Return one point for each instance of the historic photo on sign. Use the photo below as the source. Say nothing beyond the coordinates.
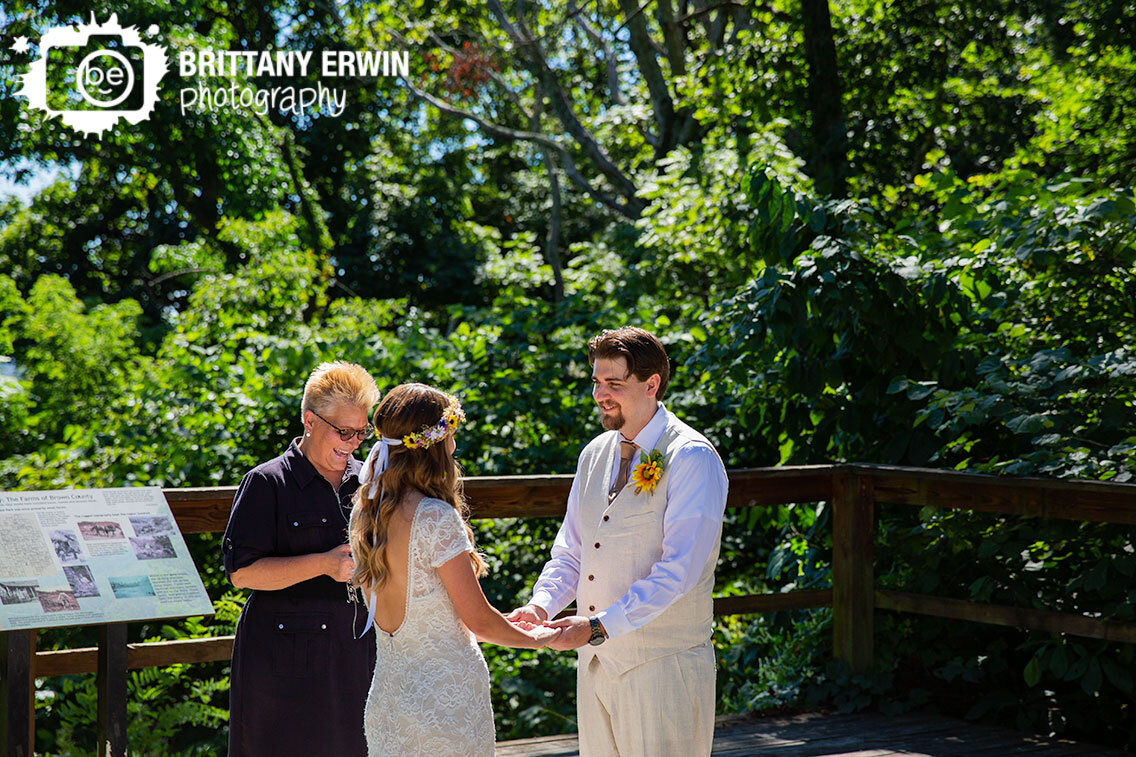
(57, 601)
(152, 547)
(102, 529)
(81, 580)
(125, 587)
(66, 545)
(17, 592)
(148, 525)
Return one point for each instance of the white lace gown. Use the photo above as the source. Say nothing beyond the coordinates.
(430, 692)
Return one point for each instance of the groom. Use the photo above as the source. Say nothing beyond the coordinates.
(639, 560)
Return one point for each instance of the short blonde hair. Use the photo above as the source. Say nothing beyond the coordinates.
(337, 384)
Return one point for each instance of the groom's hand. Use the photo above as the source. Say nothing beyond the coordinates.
(576, 632)
(528, 614)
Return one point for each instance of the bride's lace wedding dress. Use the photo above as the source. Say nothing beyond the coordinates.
(430, 692)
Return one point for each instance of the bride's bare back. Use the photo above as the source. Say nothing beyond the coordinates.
(390, 605)
(430, 691)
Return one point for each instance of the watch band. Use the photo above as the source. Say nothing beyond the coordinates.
(597, 636)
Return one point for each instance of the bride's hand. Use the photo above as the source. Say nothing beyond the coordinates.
(543, 635)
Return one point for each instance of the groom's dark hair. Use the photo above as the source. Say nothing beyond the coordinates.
(645, 354)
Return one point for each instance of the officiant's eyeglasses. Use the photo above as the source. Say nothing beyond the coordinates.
(346, 434)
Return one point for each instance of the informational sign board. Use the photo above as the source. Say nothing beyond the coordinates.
(93, 556)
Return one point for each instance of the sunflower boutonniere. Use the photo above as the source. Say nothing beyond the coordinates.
(646, 474)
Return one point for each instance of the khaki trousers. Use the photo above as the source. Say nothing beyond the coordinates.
(663, 708)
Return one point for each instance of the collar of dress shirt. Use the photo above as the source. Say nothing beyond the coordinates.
(303, 470)
(649, 435)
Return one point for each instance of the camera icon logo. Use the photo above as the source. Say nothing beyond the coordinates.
(93, 75)
(96, 73)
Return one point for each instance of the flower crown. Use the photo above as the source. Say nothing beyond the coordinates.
(436, 432)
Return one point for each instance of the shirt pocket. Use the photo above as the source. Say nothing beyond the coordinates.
(642, 522)
(636, 536)
(301, 644)
(314, 531)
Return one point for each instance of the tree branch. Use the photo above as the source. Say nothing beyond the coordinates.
(630, 208)
(704, 9)
(612, 64)
(317, 235)
(174, 274)
(633, 15)
(497, 130)
(673, 38)
(609, 54)
(533, 58)
(642, 48)
(744, 19)
(552, 238)
(503, 132)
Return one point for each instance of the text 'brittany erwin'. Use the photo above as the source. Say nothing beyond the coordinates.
(293, 63)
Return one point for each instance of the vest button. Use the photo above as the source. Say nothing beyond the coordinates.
(607, 518)
(591, 608)
(597, 545)
(591, 578)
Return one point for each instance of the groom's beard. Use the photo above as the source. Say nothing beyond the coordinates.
(612, 421)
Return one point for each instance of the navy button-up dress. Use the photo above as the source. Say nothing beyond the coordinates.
(299, 677)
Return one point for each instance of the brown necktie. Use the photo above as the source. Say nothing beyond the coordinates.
(626, 453)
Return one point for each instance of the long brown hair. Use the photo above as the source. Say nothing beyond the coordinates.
(434, 472)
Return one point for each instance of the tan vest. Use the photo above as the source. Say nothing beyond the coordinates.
(621, 542)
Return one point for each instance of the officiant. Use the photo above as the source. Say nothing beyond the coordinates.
(299, 676)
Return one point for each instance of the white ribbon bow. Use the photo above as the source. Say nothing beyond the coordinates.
(372, 471)
(376, 463)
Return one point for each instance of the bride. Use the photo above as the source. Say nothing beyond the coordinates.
(414, 558)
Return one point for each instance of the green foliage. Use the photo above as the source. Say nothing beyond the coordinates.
(1048, 269)
(769, 662)
(180, 709)
(1014, 356)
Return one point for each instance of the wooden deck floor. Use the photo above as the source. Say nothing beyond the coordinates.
(859, 735)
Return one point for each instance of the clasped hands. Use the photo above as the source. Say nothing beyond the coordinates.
(571, 632)
(338, 563)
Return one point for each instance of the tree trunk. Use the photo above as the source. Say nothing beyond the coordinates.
(828, 159)
(552, 238)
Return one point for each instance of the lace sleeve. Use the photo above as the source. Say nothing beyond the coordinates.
(447, 537)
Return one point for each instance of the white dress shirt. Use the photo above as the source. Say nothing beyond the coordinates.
(696, 499)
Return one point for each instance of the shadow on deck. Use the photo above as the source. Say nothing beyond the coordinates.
(860, 735)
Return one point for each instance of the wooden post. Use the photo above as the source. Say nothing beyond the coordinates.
(111, 684)
(853, 596)
(17, 703)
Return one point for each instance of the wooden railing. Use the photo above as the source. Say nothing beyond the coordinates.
(854, 491)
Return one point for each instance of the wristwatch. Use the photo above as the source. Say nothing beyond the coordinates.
(597, 636)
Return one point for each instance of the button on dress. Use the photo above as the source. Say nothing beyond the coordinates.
(299, 677)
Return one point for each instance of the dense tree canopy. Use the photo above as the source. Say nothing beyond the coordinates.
(888, 232)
